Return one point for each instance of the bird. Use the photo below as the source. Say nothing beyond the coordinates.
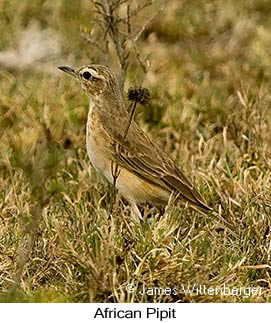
(145, 172)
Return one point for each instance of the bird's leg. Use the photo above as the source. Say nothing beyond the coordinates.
(136, 215)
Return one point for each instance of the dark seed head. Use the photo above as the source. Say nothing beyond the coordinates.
(139, 94)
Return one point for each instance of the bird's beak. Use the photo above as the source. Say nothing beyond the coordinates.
(68, 70)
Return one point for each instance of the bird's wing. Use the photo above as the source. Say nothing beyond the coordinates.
(140, 155)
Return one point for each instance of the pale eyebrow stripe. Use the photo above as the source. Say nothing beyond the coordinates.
(93, 72)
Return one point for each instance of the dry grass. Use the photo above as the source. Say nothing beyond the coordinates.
(210, 81)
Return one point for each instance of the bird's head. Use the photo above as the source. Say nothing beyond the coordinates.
(95, 80)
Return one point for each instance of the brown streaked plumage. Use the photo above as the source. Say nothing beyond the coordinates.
(147, 174)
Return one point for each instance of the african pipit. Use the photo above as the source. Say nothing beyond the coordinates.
(146, 173)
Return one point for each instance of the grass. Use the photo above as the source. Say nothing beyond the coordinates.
(210, 82)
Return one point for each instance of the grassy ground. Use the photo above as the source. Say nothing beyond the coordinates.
(210, 81)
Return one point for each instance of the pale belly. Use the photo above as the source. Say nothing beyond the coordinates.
(132, 187)
(99, 156)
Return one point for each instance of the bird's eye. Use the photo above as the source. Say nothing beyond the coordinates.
(86, 75)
